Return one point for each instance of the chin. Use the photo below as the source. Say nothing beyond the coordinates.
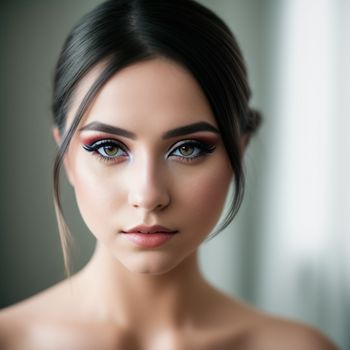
(149, 263)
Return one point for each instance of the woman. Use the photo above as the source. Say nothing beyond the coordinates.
(152, 117)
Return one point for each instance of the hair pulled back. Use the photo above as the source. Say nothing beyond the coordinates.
(123, 32)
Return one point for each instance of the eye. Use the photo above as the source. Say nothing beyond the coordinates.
(190, 150)
(187, 150)
(107, 150)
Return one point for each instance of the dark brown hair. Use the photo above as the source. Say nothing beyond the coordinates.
(123, 32)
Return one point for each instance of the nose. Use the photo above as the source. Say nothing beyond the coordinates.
(148, 189)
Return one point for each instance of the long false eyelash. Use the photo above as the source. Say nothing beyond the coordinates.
(95, 146)
(205, 148)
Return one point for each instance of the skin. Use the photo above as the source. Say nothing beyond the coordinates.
(129, 297)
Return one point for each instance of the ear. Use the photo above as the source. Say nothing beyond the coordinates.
(245, 138)
(57, 137)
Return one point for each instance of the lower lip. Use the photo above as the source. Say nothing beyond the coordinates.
(149, 240)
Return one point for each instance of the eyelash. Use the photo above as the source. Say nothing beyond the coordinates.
(203, 148)
(96, 145)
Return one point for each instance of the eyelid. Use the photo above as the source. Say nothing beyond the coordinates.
(94, 147)
(204, 149)
(193, 141)
(202, 144)
(93, 142)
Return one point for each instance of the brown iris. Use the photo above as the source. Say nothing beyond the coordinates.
(186, 150)
(111, 150)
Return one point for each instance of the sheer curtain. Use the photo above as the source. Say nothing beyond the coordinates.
(306, 223)
(290, 247)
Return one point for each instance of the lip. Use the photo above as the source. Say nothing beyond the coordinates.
(143, 229)
(149, 236)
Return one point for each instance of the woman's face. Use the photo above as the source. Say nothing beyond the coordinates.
(148, 153)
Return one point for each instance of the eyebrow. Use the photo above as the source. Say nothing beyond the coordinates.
(97, 126)
(180, 131)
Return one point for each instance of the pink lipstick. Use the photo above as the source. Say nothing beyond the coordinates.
(149, 236)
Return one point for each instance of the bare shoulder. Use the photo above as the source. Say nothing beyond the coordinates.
(279, 333)
(241, 326)
(274, 333)
(12, 329)
(19, 322)
(5, 332)
(54, 320)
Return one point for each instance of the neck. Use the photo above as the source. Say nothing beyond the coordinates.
(129, 298)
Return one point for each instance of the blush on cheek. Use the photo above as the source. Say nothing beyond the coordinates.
(206, 199)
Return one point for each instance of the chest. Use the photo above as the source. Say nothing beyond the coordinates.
(109, 338)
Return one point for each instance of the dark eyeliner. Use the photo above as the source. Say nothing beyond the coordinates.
(204, 147)
(93, 148)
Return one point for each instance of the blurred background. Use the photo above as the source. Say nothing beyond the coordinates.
(288, 250)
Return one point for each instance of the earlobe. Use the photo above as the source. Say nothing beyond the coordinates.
(57, 137)
(244, 143)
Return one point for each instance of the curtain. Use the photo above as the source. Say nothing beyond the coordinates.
(288, 251)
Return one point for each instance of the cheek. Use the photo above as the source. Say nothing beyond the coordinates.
(204, 196)
(98, 199)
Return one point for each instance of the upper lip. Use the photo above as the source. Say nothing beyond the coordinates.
(150, 229)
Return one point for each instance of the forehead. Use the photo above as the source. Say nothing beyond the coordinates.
(157, 92)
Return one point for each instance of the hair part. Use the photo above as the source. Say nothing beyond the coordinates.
(123, 32)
